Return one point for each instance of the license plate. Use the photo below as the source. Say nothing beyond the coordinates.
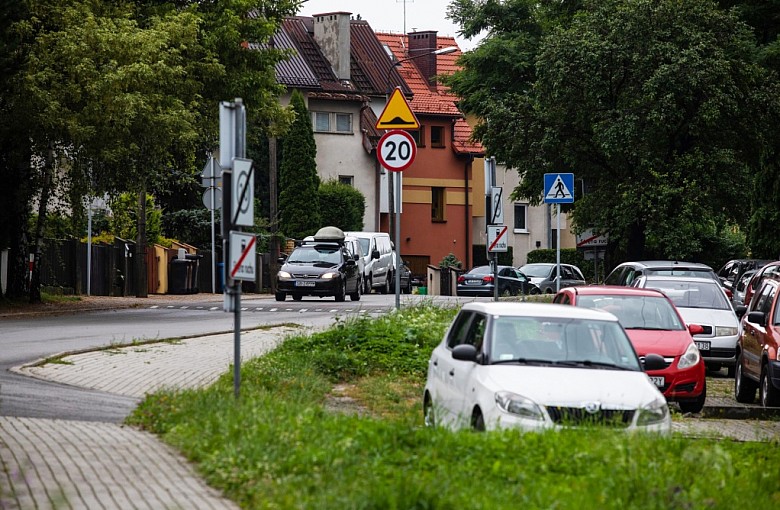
(703, 346)
(304, 284)
(658, 381)
(473, 282)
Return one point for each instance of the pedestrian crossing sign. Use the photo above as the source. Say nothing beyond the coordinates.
(559, 188)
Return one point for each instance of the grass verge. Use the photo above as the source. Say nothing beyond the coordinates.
(281, 447)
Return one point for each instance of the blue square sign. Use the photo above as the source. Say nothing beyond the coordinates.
(559, 188)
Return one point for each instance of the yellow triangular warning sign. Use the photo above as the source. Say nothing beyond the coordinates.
(397, 114)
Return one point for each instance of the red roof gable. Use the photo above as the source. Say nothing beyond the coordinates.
(433, 98)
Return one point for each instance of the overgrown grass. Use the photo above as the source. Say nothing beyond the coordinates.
(278, 447)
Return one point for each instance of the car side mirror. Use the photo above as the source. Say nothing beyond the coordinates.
(351, 262)
(356, 257)
(465, 352)
(375, 254)
(654, 362)
(741, 310)
(757, 318)
(695, 329)
(281, 260)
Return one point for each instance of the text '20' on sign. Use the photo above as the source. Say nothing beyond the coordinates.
(396, 150)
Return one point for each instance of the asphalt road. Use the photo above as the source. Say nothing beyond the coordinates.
(28, 336)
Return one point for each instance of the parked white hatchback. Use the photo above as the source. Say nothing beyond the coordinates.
(539, 366)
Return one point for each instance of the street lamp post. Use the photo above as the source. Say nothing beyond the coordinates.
(395, 182)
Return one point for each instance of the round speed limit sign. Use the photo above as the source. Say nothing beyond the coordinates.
(396, 150)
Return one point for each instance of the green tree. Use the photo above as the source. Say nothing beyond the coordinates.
(299, 206)
(652, 103)
(341, 205)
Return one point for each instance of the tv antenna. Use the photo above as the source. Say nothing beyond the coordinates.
(404, 2)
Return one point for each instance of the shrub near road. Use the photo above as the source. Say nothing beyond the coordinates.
(281, 447)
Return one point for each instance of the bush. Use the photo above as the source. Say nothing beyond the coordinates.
(341, 205)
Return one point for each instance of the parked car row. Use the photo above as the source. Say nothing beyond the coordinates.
(534, 278)
(614, 357)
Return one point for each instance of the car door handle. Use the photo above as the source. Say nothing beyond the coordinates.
(452, 372)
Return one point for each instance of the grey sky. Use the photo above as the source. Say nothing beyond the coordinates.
(388, 15)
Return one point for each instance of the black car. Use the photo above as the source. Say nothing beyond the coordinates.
(480, 281)
(321, 268)
(405, 275)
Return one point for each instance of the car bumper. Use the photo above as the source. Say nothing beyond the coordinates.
(680, 384)
(310, 287)
(722, 351)
(468, 290)
(499, 419)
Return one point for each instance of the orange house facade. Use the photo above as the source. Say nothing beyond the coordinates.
(436, 211)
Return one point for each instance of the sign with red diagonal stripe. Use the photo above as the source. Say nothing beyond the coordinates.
(242, 256)
(497, 238)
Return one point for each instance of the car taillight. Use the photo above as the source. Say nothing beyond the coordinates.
(487, 279)
(729, 293)
(461, 279)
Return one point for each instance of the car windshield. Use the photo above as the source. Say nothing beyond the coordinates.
(636, 312)
(561, 342)
(692, 294)
(687, 272)
(315, 255)
(536, 270)
(364, 242)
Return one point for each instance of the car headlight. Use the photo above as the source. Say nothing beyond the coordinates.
(518, 405)
(284, 274)
(329, 276)
(655, 412)
(725, 331)
(690, 358)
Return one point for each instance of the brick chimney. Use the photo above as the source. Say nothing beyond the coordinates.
(421, 43)
(331, 31)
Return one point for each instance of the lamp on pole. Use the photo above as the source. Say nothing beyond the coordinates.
(395, 182)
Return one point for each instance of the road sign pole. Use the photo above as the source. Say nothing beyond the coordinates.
(558, 248)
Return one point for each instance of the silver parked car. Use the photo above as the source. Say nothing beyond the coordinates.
(543, 275)
(703, 301)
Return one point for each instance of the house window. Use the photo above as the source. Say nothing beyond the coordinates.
(321, 122)
(416, 135)
(343, 123)
(332, 122)
(437, 136)
(520, 218)
(437, 204)
(347, 179)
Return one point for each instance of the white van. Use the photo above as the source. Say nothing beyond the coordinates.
(378, 258)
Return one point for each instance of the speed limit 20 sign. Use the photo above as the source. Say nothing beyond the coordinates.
(396, 150)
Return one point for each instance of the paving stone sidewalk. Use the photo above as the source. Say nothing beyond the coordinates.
(56, 464)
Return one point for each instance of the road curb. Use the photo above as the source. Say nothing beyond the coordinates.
(741, 413)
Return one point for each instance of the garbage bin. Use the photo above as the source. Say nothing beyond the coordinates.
(178, 278)
(192, 274)
(220, 277)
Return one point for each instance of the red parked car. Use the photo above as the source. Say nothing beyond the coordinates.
(654, 326)
(758, 347)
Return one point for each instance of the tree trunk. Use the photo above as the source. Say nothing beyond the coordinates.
(273, 215)
(46, 184)
(16, 198)
(636, 242)
(141, 283)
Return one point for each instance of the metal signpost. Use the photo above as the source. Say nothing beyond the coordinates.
(238, 195)
(558, 189)
(212, 199)
(396, 152)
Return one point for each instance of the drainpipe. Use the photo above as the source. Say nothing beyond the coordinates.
(467, 215)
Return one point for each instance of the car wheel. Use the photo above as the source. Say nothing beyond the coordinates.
(408, 289)
(355, 296)
(744, 387)
(386, 289)
(768, 394)
(695, 406)
(535, 291)
(429, 419)
(548, 290)
(280, 296)
(297, 297)
(341, 293)
(506, 292)
(477, 421)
